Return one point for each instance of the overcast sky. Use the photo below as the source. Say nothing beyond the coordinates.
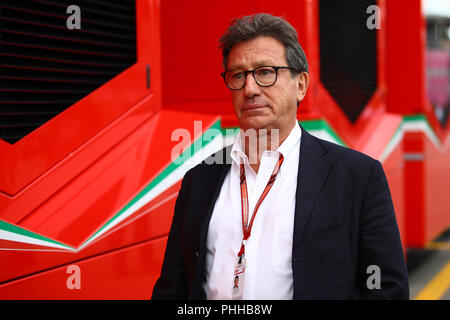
(436, 7)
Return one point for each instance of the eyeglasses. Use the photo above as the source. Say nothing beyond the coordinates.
(264, 76)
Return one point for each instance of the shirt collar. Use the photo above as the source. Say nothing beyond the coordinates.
(286, 148)
(237, 151)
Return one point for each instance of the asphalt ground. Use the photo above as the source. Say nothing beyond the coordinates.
(429, 270)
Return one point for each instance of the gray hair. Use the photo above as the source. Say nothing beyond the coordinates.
(265, 25)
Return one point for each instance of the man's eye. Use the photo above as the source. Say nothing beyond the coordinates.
(237, 75)
(264, 72)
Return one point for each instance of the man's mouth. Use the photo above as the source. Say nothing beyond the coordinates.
(251, 107)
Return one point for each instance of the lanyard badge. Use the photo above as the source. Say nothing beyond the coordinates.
(239, 278)
(239, 270)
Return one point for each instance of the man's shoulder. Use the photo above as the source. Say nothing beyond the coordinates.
(349, 165)
(345, 152)
(215, 163)
(345, 156)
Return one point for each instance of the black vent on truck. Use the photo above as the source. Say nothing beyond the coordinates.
(45, 67)
(348, 53)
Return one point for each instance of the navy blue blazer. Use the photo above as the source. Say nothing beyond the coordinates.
(344, 223)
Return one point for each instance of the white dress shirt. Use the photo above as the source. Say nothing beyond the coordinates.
(268, 251)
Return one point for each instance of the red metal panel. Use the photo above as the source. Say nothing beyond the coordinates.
(17, 208)
(86, 203)
(150, 222)
(76, 211)
(427, 181)
(405, 61)
(437, 189)
(414, 190)
(127, 273)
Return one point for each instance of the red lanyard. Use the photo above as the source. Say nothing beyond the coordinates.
(247, 227)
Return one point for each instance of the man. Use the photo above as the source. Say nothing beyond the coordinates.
(299, 218)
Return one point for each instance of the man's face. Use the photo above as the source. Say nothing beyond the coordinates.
(273, 107)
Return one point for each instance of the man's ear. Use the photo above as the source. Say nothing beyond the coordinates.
(303, 83)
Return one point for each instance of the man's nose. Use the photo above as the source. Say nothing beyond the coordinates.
(251, 88)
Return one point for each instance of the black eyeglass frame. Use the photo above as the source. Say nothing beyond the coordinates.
(276, 68)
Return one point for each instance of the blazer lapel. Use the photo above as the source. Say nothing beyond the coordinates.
(217, 174)
(216, 177)
(312, 172)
